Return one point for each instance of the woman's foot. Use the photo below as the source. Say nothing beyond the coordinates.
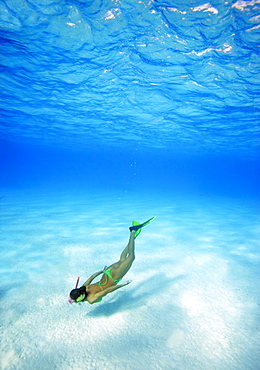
(138, 227)
(135, 228)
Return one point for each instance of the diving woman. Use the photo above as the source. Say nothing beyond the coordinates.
(93, 293)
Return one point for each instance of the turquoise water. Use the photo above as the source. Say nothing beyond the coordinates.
(119, 110)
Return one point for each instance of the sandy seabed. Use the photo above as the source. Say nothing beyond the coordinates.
(193, 302)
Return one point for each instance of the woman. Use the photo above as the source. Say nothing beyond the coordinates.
(93, 293)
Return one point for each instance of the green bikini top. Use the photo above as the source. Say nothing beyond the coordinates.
(108, 273)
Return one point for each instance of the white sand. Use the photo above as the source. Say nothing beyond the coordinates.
(192, 304)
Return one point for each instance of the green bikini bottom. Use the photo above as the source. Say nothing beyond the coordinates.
(108, 273)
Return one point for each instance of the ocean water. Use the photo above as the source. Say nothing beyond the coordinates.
(120, 110)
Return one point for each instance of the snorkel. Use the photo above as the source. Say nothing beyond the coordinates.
(77, 283)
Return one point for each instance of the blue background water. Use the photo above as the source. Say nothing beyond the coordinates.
(126, 94)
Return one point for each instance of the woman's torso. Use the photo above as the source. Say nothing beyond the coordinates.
(104, 283)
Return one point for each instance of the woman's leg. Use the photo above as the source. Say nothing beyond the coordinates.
(130, 248)
(120, 268)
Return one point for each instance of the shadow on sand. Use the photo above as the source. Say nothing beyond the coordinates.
(137, 297)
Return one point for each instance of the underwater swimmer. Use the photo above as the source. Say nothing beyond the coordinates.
(93, 293)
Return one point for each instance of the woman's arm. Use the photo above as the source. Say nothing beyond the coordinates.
(111, 289)
(92, 277)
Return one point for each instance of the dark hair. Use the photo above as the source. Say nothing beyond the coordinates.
(75, 293)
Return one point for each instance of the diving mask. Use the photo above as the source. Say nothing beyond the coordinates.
(80, 298)
(77, 300)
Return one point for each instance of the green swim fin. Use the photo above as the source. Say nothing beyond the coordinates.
(135, 223)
